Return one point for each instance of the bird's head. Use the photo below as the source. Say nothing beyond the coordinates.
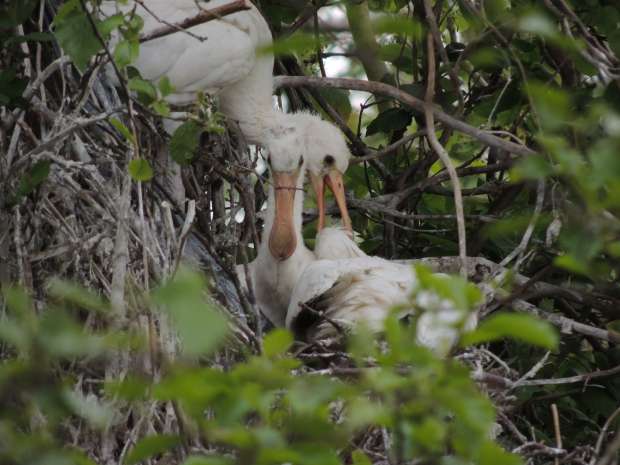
(327, 158)
(286, 167)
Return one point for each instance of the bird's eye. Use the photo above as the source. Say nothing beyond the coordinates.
(329, 160)
(301, 160)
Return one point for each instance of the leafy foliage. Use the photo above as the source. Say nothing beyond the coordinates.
(544, 74)
(264, 408)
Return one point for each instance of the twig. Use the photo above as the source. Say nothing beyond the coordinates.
(474, 264)
(556, 429)
(171, 25)
(443, 155)
(567, 326)
(381, 88)
(187, 225)
(202, 17)
(533, 371)
(612, 450)
(434, 29)
(520, 249)
(322, 316)
(572, 379)
(536, 448)
(375, 154)
(603, 433)
(52, 141)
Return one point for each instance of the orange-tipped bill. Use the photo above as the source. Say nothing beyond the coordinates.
(334, 181)
(283, 240)
(319, 190)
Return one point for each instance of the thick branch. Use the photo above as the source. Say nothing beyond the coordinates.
(409, 100)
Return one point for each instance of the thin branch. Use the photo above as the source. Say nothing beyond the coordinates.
(434, 29)
(375, 154)
(520, 249)
(443, 155)
(603, 433)
(202, 17)
(572, 379)
(556, 428)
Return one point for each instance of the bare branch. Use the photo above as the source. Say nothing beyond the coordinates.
(443, 155)
(202, 17)
(409, 100)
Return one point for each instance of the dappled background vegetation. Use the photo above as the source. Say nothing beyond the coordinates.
(112, 351)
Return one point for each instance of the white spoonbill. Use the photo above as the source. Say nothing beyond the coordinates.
(282, 255)
(345, 287)
(224, 57)
(335, 295)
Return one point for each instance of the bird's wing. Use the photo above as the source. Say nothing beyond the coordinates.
(332, 295)
(349, 290)
(334, 243)
(223, 53)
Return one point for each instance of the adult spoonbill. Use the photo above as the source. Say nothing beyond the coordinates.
(228, 58)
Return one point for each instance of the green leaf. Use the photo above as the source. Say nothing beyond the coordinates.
(184, 142)
(532, 167)
(14, 13)
(109, 24)
(165, 86)
(277, 342)
(124, 130)
(12, 88)
(457, 289)
(75, 35)
(392, 119)
(77, 295)
(614, 41)
(299, 42)
(146, 91)
(126, 52)
(161, 108)
(517, 326)
(202, 460)
(32, 37)
(150, 446)
(339, 100)
(430, 434)
(140, 169)
(492, 454)
(360, 458)
(396, 24)
(552, 104)
(31, 180)
(201, 328)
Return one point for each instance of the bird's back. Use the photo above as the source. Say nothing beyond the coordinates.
(218, 54)
(340, 294)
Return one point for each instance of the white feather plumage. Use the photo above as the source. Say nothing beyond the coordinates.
(353, 291)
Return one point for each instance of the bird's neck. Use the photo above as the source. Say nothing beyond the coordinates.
(255, 114)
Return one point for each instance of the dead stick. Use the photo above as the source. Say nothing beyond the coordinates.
(443, 155)
(556, 428)
(202, 17)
